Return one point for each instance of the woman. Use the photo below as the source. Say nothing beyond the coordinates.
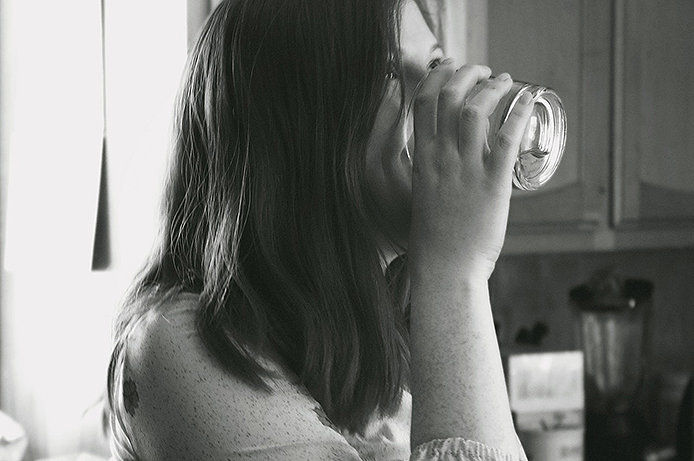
(264, 326)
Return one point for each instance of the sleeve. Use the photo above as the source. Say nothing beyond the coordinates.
(460, 449)
(180, 404)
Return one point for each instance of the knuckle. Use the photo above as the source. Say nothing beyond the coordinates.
(445, 64)
(497, 85)
(514, 118)
(476, 68)
(448, 92)
(483, 69)
(424, 145)
(444, 168)
(467, 68)
(471, 114)
(423, 98)
(504, 141)
(418, 172)
(492, 85)
(439, 166)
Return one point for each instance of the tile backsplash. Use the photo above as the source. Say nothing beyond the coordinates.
(527, 289)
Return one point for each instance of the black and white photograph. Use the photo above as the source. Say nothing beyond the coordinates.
(346, 230)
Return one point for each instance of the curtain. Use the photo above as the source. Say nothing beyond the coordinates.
(55, 312)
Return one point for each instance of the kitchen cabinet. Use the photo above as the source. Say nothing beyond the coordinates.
(654, 91)
(622, 69)
(547, 42)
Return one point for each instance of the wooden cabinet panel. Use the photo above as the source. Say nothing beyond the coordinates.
(564, 45)
(654, 94)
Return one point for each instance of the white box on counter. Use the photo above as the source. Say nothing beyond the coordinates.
(547, 399)
(546, 381)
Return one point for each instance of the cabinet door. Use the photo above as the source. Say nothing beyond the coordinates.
(654, 114)
(564, 45)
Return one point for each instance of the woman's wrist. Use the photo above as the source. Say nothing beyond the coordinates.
(457, 380)
(467, 272)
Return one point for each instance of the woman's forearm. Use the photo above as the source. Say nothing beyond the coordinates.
(457, 381)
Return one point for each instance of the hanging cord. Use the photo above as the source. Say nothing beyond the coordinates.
(101, 251)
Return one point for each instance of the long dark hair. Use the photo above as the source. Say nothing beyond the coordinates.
(265, 212)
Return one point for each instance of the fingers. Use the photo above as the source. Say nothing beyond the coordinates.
(426, 100)
(453, 96)
(504, 151)
(454, 106)
(473, 120)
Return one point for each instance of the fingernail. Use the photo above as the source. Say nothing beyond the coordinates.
(525, 98)
(504, 76)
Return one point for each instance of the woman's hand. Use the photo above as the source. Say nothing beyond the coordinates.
(460, 198)
(461, 187)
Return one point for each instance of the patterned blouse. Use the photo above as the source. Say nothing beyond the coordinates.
(173, 401)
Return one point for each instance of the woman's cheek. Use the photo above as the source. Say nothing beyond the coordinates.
(389, 170)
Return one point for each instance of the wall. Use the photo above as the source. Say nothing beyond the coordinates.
(530, 288)
(55, 311)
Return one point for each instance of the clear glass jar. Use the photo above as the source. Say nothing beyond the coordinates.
(543, 143)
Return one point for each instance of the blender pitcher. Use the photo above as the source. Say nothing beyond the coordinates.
(611, 324)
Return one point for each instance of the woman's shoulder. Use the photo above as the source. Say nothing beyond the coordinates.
(166, 336)
(163, 330)
(179, 402)
(165, 342)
